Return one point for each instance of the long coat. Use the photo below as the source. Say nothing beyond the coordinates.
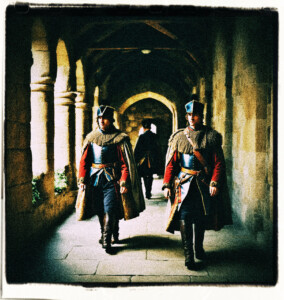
(132, 203)
(217, 210)
(146, 153)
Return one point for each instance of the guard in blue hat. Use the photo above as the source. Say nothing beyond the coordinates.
(199, 196)
(108, 172)
(105, 111)
(194, 107)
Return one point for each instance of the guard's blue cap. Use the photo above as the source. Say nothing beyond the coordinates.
(194, 106)
(106, 112)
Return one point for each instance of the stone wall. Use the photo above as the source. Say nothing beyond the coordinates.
(222, 97)
(18, 166)
(242, 93)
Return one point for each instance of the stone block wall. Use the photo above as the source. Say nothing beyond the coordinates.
(18, 167)
(242, 112)
(251, 147)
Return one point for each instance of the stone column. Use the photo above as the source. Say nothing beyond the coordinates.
(42, 117)
(83, 112)
(42, 126)
(95, 107)
(65, 134)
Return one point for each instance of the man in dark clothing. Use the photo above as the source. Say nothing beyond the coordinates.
(146, 156)
(195, 183)
(108, 167)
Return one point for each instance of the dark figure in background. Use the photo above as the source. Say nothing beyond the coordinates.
(147, 156)
(108, 171)
(195, 183)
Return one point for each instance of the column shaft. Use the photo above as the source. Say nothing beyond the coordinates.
(65, 134)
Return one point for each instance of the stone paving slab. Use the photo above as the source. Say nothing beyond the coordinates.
(69, 267)
(161, 279)
(166, 254)
(146, 267)
(98, 279)
(58, 270)
(209, 279)
(240, 272)
(99, 253)
(78, 238)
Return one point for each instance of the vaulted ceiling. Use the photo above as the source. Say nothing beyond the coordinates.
(172, 45)
(112, 42)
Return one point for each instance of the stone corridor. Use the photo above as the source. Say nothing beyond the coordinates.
(62, 63)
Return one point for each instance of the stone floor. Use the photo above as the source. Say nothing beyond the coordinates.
(146, 255)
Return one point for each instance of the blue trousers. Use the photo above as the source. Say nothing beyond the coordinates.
(106, 196)
(191, 208)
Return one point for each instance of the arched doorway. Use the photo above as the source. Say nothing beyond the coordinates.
(166, 102)
(162, 118)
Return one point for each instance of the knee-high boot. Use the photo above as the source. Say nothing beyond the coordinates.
(186, 231)
(115, 233)
(199, 232)
(101, 220)
(107, 233)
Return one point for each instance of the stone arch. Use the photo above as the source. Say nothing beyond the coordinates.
(138, 97)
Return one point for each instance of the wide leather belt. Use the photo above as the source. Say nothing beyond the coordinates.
(191, 172)
(102, 166)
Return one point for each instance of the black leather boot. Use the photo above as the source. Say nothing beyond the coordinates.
(115, 235)
(107, 233)
(148, 180)
(199, 232)
(187, 238)
(101, 220)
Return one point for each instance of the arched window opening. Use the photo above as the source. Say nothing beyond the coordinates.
(131, 121)
(64, 114)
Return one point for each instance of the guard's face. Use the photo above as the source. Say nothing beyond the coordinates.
(194, 119)
(103, 123)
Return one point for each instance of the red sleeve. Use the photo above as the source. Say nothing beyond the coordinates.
(85, 162)
(218, 166)
(171, 169)
(123, 165)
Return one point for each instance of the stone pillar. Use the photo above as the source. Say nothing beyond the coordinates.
(95, 107)
(83, 111)
(42, 109)
(65, 134)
